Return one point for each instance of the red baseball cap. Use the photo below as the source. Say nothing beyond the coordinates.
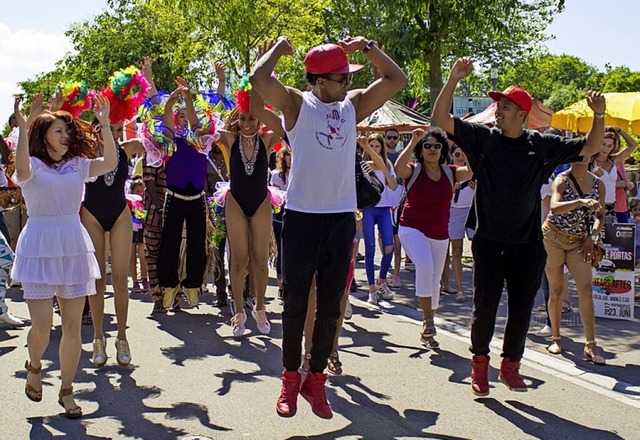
(328, 58)
(516, 94)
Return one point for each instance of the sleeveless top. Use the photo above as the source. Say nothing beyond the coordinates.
(574, 222)
(106, 192)
(323, 141)
(249, 190)
(609, 178)
(186, 166)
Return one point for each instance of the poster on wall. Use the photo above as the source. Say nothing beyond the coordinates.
(614, 277)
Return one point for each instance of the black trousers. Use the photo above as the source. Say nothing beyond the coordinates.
(320, 245)
(176, 212)
(521, 265)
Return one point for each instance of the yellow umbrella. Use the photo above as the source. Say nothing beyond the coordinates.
(623, 110)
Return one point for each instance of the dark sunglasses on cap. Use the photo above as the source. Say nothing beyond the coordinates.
(429, 146)
(391, 138)
(457, 154)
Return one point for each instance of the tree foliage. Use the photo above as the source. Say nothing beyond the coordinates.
(425, 35)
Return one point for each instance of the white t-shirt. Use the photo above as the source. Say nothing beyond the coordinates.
(388, 198)
(323, 142)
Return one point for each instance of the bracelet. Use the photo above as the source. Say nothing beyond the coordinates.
(368, 46)
(599, 115)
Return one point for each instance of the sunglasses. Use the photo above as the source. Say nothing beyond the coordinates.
(344, 82)
(457, 154)
(391, 138)
(428, 146)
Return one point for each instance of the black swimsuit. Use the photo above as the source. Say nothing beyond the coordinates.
(248, 190)
(106, 202)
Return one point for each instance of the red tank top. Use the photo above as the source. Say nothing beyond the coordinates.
(427, 205)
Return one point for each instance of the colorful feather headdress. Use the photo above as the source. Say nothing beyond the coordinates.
(126, 91)
(77, 96)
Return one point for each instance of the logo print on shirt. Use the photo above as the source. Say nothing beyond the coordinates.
(331, 138)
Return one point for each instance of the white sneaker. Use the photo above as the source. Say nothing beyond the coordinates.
(373, 298)
(545, 331)
(348, 312)
(384, 292)
(261, 320)
(10, 320)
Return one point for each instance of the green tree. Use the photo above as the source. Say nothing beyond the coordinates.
(555, 80)
(424, 35)
(620, 79)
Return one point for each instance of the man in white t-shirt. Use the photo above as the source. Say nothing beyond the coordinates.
(319, 225)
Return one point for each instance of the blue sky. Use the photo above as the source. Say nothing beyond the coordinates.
(32, 36)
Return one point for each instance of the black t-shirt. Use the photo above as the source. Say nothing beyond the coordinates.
(508, 191)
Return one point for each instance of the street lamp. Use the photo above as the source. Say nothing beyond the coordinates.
(494, 77)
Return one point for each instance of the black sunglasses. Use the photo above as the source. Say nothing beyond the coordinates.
(344, 82)
(457, 154)
(392, 138)
(428, 146)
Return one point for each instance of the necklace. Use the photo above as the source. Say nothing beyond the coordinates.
(110, 177)
(249, 165)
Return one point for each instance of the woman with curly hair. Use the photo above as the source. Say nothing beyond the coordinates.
(55, 255)
(424, 225)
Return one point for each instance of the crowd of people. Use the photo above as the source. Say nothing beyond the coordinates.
(230, 184)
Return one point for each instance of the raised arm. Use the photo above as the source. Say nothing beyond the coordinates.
(192, 117)
(221, 73)
(632, 144)
(109, 160)
(441, 115)
(23, 166)
(169, 123)
(597, 103)
(403, 170)
(266, 116)
(390, 82)
(147, 70)
(285, 99)
(390, 181)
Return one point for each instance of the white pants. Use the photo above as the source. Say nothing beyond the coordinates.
(428, 256)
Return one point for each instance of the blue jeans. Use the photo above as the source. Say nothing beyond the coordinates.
(382, 217)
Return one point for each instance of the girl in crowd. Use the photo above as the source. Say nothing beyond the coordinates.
(462, 200)
(424, 225)
(248, 202)
(374, 152)
(54, 255)
(105, 210)
(137, 243)
(609, 166)
(280, 180)
(576, 195)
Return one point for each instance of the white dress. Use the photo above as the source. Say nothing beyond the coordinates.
(55, 254)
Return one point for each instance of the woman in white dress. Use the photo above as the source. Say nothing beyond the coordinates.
(54, 254)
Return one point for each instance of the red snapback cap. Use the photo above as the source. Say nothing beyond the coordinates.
(328, 58)
(516, 94)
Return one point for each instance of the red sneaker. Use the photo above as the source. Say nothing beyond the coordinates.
(313, 392)
(510, 375)
(480, 375)
(287, 404)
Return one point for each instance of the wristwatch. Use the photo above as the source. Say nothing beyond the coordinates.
(593, 237)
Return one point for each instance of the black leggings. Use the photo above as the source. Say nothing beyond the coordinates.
(521, 265)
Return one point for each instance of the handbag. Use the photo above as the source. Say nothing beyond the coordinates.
(598, 247)
(368, 186)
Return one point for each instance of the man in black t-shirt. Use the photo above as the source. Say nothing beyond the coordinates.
(510, 165)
